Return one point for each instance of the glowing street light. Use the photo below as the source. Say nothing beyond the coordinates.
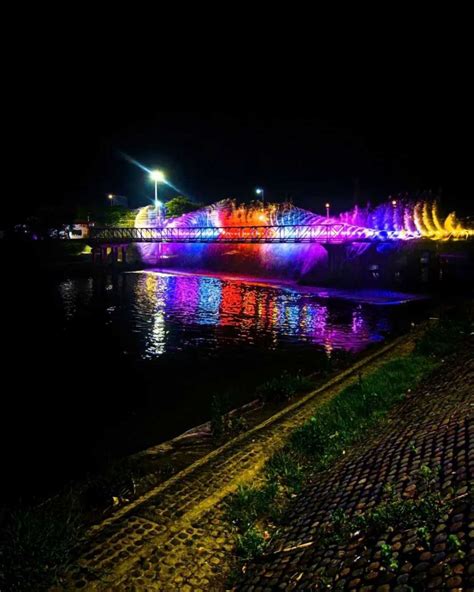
(394, 203)
(157, 176)
(328, 205)
(260, 191)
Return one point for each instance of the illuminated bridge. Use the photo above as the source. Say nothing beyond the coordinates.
(286, 241)
(227, 222)
(328, 233)
(333, 241)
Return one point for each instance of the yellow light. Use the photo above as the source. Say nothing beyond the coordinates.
(157, 176)
(111, 196)
(328, 205)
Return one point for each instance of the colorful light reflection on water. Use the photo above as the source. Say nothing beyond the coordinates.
(172, 312)
(138, 357)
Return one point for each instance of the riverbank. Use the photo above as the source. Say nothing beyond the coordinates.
(186, 517)
(178, 530)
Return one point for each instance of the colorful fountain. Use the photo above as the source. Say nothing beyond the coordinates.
(395, 221)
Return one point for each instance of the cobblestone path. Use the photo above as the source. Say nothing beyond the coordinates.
(174, 538)
(434, 427)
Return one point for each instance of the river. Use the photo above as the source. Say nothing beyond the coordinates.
(100, 367)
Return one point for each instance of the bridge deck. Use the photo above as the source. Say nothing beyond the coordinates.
(322, 233)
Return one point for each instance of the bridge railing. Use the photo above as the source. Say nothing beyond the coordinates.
(322, 233)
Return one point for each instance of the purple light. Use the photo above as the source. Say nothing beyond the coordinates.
(228, 222)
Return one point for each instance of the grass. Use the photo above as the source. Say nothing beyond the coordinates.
(286, 469)
(37, 544)
(438, 341)
(283, 387)
(354, 410)
(251, 543)
(339, 424)
(224, 424)
(250, 504)
(421, 512)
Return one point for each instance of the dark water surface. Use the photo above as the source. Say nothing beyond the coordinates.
(99, 367)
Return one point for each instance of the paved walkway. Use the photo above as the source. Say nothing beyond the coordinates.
(174, 538)
(434, 427)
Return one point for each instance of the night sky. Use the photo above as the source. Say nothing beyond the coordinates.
(71, 151)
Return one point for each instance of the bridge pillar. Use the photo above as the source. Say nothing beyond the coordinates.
(336, 259)
(114, 255)
(96, 255)
(101, 255)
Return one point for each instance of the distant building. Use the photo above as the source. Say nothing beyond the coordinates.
(80, 229)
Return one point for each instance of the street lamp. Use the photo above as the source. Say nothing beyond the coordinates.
(394, 203)
(328, 205)
(260, 191)
(158, 206)
(157, 177)
(118, 200)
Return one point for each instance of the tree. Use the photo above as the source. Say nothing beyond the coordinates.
(116, 216)
(180, 205)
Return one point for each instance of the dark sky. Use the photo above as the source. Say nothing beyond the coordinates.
(68, 149)
(302, 108)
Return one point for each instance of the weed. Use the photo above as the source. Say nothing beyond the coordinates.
(285, 469)
(37, 544)
(423, 534)
(219, 408)
(455, 545)
(283, 387)
(249, 503)
(251, 543)
(223, 424)
(388, 556)
(118, 482)
(442, 339)
(235, 425)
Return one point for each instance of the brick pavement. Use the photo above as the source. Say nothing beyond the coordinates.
(433, 427)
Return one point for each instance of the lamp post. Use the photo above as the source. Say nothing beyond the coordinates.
(157, 177)
(328, 205)
(118, 200)
(260, 191)
(159, 206)
(394, 205)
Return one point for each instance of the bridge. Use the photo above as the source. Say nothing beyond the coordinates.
(329, 233)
